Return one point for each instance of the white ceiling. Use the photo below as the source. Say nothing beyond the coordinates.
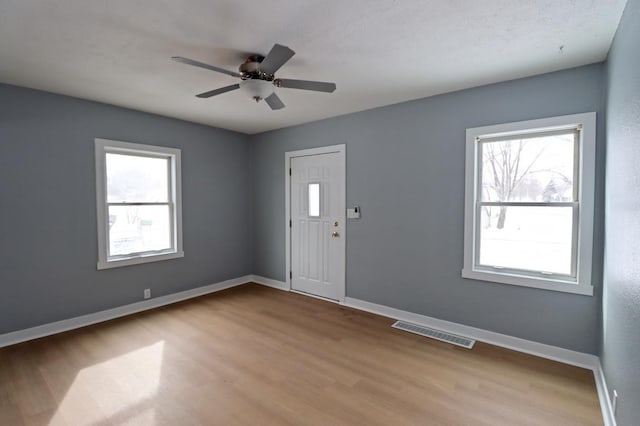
(378, 52)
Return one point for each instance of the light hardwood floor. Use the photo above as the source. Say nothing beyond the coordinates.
(252, 355)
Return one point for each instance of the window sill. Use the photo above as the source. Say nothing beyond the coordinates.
(139, 259)
(523, 281)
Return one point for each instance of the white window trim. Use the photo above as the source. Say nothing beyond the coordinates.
(102, 146)
(587, 144)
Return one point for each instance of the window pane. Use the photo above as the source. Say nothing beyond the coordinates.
(133, 178)
(136, 229)
(314, 199)
(538, 169)
(529, 238)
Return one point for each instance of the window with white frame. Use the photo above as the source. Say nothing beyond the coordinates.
(529, 203)
(138, 203)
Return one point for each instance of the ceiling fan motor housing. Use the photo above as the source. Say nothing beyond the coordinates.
(250, 69)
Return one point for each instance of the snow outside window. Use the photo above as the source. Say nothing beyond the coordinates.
(529, 203)
(138, 202)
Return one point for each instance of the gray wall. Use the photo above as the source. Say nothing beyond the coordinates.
(405, 168)
(620, 350)
(48, 247)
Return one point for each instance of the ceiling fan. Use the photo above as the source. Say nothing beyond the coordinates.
(257, 75)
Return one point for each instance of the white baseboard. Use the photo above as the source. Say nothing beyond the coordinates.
(603, 396)
(280, 285)
(72, 323)
(566, 356)
(555, 353)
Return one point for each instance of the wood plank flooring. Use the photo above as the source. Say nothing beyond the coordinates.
(252, 355)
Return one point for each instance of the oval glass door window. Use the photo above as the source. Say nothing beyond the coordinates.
(314, 199)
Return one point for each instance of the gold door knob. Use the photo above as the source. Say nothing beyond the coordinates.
(335, 234)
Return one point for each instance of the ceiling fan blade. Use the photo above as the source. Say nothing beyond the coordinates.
(276, 58)
(218, 91)
(274, 101)
(203, 65)
(318, 86)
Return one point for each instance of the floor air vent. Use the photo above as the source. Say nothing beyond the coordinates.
(435, 334)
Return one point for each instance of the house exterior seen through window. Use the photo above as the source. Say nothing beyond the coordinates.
(529, 205)
(138, 201)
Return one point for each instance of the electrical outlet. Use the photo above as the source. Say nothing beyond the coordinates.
(147, 293)
(614, 401)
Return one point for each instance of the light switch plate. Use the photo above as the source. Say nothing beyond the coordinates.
(353, 213)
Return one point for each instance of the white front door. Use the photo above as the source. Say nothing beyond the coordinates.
(317, 201)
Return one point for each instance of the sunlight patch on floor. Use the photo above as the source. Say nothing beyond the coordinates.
(98, 392)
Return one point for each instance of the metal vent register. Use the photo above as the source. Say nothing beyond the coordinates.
(465, 342)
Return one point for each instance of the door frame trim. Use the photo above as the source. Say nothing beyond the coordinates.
(341, 150)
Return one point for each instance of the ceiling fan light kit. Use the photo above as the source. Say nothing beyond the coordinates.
(257, 76)
(257, 89)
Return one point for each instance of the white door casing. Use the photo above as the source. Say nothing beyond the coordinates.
(316, 228)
